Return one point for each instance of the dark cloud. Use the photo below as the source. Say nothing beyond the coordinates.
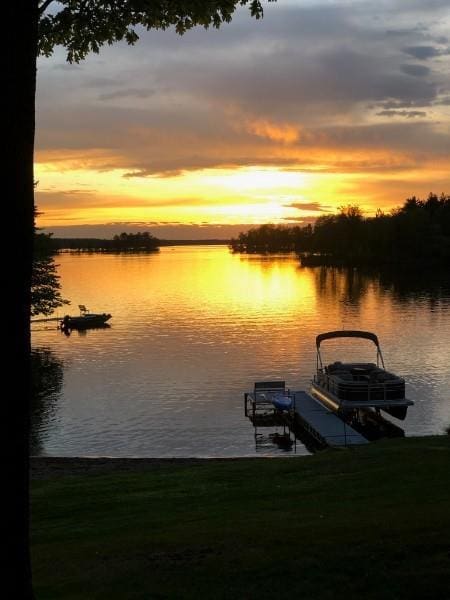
(289, 84)
(422, 52)
(406, 32)
(415, 70)
(313, 206)
(430, 7)
(416, 137)
(409, 114)
(147, 172)
(399, 104)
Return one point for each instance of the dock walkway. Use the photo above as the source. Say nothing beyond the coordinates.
(323, 424)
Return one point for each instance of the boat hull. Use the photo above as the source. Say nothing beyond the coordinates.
(85, 321)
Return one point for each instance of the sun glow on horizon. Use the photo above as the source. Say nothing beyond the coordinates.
(225, 195)
(253, 195)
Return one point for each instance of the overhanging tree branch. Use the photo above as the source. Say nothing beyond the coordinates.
(83, 26)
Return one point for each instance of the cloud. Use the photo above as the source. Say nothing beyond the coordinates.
(127, 93)
(147, 172)
(422, 52)
(397, 104)
(409, 114)
(99, 81)
(312, 206)
(415, 70)
(278, 132)
(149, 152)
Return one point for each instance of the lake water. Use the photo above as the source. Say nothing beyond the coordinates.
(194, 327)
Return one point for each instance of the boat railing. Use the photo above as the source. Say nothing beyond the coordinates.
(361, 390)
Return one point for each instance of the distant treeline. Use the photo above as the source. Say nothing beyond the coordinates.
(125, 242)
(101, 245)
(418, 231)
(211, 242)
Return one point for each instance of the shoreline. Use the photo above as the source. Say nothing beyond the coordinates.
(46, 467)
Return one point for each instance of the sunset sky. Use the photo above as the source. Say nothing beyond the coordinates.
(320, 104)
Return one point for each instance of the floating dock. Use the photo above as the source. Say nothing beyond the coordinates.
(46, 320)
(323, 424)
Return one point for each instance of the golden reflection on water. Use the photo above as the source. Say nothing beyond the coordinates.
(194, 327)
(216, 282)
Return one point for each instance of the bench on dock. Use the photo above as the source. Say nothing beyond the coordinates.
(260, 400)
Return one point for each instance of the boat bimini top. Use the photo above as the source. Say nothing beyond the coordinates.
(348, 333)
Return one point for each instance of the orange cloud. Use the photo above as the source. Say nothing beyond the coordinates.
(284, 132)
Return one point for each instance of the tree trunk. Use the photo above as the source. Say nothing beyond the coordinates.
(21, 23)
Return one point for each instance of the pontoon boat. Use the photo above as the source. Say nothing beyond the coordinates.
(352, 387)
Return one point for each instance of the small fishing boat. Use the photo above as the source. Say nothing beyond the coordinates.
(348, 388)
(84, 320)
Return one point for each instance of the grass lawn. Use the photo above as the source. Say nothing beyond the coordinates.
(370, 522)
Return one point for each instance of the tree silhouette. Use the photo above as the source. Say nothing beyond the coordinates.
(417, 232)
(45, 285)
(37, 26)
(135, 242)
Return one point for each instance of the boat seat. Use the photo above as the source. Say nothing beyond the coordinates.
(383, 376)
(345, 375)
